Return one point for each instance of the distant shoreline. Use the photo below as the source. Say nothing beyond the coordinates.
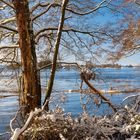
(99, 66)
(69, 66)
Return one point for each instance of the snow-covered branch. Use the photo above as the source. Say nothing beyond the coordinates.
(18, 131)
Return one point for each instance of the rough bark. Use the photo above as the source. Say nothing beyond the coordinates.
(31, 78)
(57, 44)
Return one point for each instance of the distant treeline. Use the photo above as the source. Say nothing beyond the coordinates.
(72, 66)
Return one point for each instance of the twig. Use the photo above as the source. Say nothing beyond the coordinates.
(128, 97)
(8, 4)
(11, 122)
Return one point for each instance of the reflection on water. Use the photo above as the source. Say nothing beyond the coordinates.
(119, 79)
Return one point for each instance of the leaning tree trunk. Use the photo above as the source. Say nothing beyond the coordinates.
(57, 44)
(31, 79)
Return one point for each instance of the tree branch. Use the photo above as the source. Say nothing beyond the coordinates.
(100, 5)
(8, 4)
(8, 28)
(39, 5)
(93, 34)
(9, 47)
(47, 9)
(5, 21)
(83, 77)
(65, 30)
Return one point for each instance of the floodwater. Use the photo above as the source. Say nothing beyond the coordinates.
(66, 80)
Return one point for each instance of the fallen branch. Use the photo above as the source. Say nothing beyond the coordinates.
(17, 132)
(84, 78)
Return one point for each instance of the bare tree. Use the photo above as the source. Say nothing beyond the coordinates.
(32, 28)
(40, 23)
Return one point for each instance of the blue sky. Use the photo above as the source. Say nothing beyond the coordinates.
(133, 60)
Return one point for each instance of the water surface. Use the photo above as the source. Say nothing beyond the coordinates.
(120, 79)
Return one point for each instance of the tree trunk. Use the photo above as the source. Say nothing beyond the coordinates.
(31, 78)
(57, 44)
